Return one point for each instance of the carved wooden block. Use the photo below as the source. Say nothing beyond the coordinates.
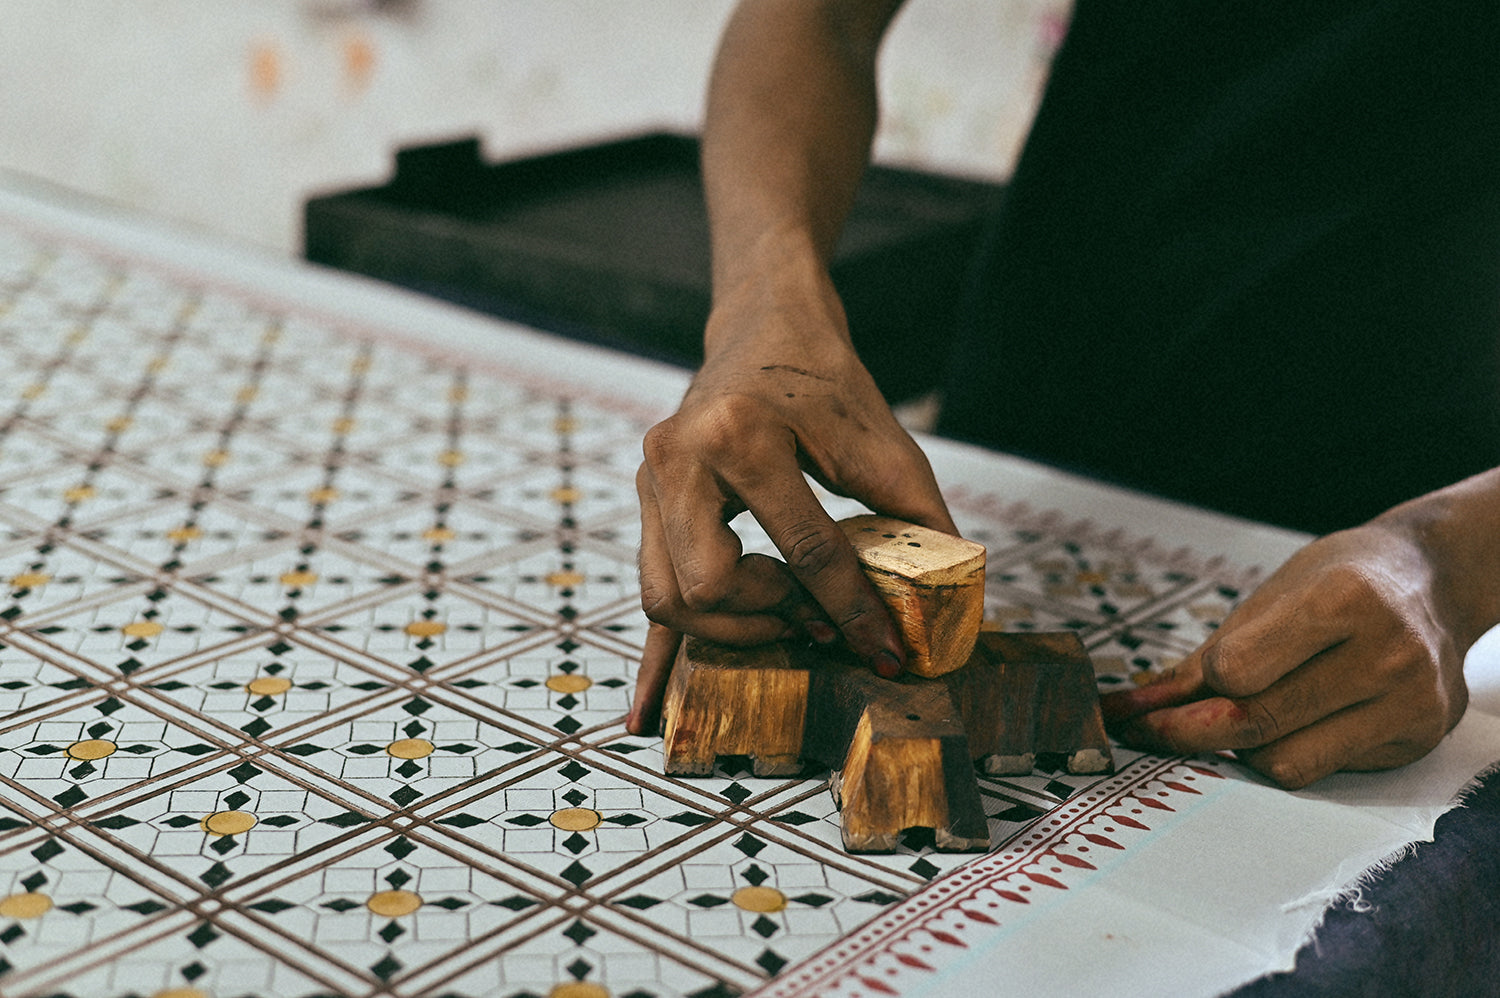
(933, 583)
(902, 752)
(1023, 695)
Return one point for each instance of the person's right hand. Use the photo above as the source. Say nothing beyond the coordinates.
(782, 393)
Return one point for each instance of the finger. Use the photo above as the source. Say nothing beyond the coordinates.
(906, 489)
(1176, 685)
(1357, 738)
(663, 603)
(822, 560)
(1322, 687)
(684, 528)
(1260, 643)
(651, 679)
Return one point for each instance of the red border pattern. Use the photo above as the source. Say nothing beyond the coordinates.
(1062, 850)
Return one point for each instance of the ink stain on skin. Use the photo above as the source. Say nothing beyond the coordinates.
(795, 370)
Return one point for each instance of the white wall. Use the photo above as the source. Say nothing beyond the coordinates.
(227, 113)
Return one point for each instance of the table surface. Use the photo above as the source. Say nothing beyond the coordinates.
(322, 621)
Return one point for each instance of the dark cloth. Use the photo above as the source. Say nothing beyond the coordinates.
(1250, 258)
(1425, 927)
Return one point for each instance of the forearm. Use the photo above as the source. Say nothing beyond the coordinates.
(1459, 528)
(791, 112)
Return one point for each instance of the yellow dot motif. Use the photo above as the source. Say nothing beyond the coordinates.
(33, 391)
(579, 989)
(30, 580)
(410, 748)
(297, 580)
(79, 493)
(246, 395)
(216, 458)
(91, 748)
(565, 424)
(142, 629)
(222, 823)
(119, 424)
(181, 535)
(426, 628)
(566, 495)
(568, 684)
(324, 496)
(268, 686)
(343, 425)
(438, 535)
(565, 580)
(181, 993)
(761, 899)
(451, 458)
(575, 819)
(394, 904)
(30, 905)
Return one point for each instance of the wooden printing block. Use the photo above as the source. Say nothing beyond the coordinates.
(933, 583)
(1024, 695)
(735, 701)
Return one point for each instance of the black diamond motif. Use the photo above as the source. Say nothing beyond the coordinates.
(525, 820)
(813, 900)
(416, 706)
(202, 935)
(345, 820)
(405, 796)
(575, 843)
(387, 966)
(408, 769)
(770, 963)
(578, 932)
(421, 664)
(398, 878)
(876, 897)
(272, 906)
(100, 730)
(640, 902)
(461, 820)
(215, 875)
(71, 797)
(795, 818)
(401, 848)
(391, 931)
(627, 820)
(340, 904)
(237, 800)
(194, 970)
(34, 881)
(517, 903)
(580, 968)
(568, 725)
(573, 770)
(691, 819)
(755, 874)
(224, 844)
(567, 702)
(46, 850)
(450, 904)
(1060, 789)
(144, 907)
(76, 908)
(577, 873)
(764, 927)
(923, 869)
(707, 901)
(749, 845)
(11, 934)
(735, 792)
(257, 727)
(82, 771)
(245, 772)
(575, 796)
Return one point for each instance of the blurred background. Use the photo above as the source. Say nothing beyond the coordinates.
(228, 114)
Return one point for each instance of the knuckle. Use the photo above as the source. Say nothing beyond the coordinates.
(810, 550)
(1259, 724)
(724, 426)
(1225, 666)
(659, 603)
(660, 443)
(703, 595)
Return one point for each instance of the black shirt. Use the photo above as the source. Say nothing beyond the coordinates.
(1250, 257)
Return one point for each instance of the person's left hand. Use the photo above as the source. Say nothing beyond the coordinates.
(1345, 658)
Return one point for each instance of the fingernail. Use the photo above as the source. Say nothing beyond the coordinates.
(887, 665)
(821, 631)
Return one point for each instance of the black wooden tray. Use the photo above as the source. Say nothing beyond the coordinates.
(610, 243)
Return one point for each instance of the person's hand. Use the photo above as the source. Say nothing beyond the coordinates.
(1348, 657)
(783, 393)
